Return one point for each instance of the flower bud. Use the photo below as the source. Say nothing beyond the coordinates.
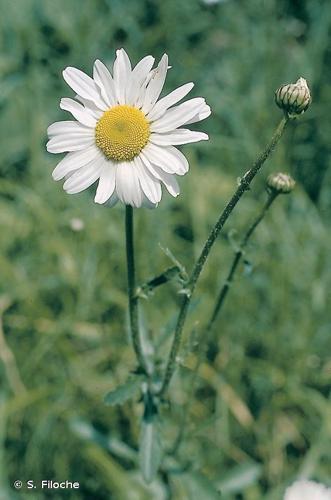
(280, 183)
(293, 98)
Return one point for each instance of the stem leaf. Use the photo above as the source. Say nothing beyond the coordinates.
(124, 392)
(169, 274)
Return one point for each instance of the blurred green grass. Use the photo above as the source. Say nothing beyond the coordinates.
(261, 415)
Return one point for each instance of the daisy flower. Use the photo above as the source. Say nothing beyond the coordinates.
(307, 490)
(123, 135)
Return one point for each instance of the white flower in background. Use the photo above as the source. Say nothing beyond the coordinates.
(76, 224)
(213, 2)
(123, 135)
(307, 490)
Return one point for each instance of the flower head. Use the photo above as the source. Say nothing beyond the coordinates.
(123, 135)
(307, 490)
(280, 183)
(293, 98)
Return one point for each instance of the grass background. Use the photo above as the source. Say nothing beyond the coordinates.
(260, 416)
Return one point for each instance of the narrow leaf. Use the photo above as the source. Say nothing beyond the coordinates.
(123, 392)
(171, 256)
(161, 279)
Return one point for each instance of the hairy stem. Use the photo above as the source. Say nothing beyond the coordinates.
(242, 187)
(215, 314)
(132, 296)
(237, 257)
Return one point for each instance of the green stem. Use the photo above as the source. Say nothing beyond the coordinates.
(217, 308)
(238, 255)
(132, 296)
(243, 186)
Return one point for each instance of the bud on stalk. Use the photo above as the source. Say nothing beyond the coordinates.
(280, 183)
(293, 98)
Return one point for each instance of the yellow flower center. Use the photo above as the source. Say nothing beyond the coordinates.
(122, 132)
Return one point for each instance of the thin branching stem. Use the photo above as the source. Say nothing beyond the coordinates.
(215, 315)
(236, 260)
(242, 187)
(132, 295)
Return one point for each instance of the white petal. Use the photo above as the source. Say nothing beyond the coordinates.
(75, 160)
(69, 136)
(84, 177)
(138, 78)
(64, 143)
(106, 184)
(127, 184)
(170, 182)
(169, 100)
(155, 85)
(179, 136)
(90, 106)
(69, 127)
(84, 86)
(201, 115)
(150, 186)
(78, 111)
(167, 158)
(142, 69)
(141, 97)
(105, 82)
(150, 167)
(177, 116)
(146, 203)
(122, 74)
(181, 158)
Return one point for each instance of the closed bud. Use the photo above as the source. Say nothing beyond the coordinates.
(280, 183)
(293, 98)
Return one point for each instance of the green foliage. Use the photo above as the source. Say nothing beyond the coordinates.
(260, 412)
(123, 392)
